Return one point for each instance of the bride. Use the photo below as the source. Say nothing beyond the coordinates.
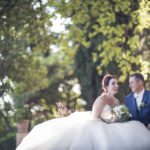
(88, 131)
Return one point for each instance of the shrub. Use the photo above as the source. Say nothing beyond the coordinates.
(8, 142)
(22, 114)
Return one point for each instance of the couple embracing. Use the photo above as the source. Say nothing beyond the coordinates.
(138, 102)
(96, 130)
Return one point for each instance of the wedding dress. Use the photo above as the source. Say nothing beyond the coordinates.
(80, 131)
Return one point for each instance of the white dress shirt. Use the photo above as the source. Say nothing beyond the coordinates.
(139, 97)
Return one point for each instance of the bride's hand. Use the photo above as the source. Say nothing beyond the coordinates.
(114, 118)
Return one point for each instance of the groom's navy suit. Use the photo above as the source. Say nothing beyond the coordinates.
(142, 115)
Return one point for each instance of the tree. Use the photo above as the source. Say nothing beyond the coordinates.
(23, 34)
(107, 36)
(31, 70)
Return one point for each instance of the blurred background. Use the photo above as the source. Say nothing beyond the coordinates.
(59, 50)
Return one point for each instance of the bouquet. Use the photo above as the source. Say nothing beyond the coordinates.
(122, 113)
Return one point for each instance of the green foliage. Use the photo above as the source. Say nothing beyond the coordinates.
(8, 142)
(22, 114)
(22, 34)
(3, 127)
(30, 70)
(110, 33)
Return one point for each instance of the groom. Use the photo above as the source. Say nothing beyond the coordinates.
(138, 101)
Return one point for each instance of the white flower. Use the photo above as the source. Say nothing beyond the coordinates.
(122, 112)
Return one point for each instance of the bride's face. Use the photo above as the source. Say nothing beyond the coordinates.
(113, 86)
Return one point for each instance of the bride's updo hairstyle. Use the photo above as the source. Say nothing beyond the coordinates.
(106, 80)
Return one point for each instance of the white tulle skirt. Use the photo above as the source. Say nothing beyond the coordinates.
(80, 132)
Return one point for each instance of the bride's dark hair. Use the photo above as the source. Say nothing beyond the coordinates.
(106, 80)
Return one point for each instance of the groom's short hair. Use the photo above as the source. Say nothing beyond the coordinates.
(138, 76)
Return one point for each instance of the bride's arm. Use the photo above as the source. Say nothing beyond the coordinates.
(98, 107)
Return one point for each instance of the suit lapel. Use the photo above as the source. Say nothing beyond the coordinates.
(144, 97)
(143, 100)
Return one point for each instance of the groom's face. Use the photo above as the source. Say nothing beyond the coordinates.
(136, 85)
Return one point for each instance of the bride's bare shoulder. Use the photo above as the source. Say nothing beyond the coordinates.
(98, 104)
(100, 99)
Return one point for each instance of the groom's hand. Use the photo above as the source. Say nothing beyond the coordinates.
(148, 127)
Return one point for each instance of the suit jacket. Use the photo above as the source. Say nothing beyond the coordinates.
(143, 115)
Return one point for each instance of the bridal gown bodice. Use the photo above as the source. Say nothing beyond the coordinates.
(106, 113)
(80, 131)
